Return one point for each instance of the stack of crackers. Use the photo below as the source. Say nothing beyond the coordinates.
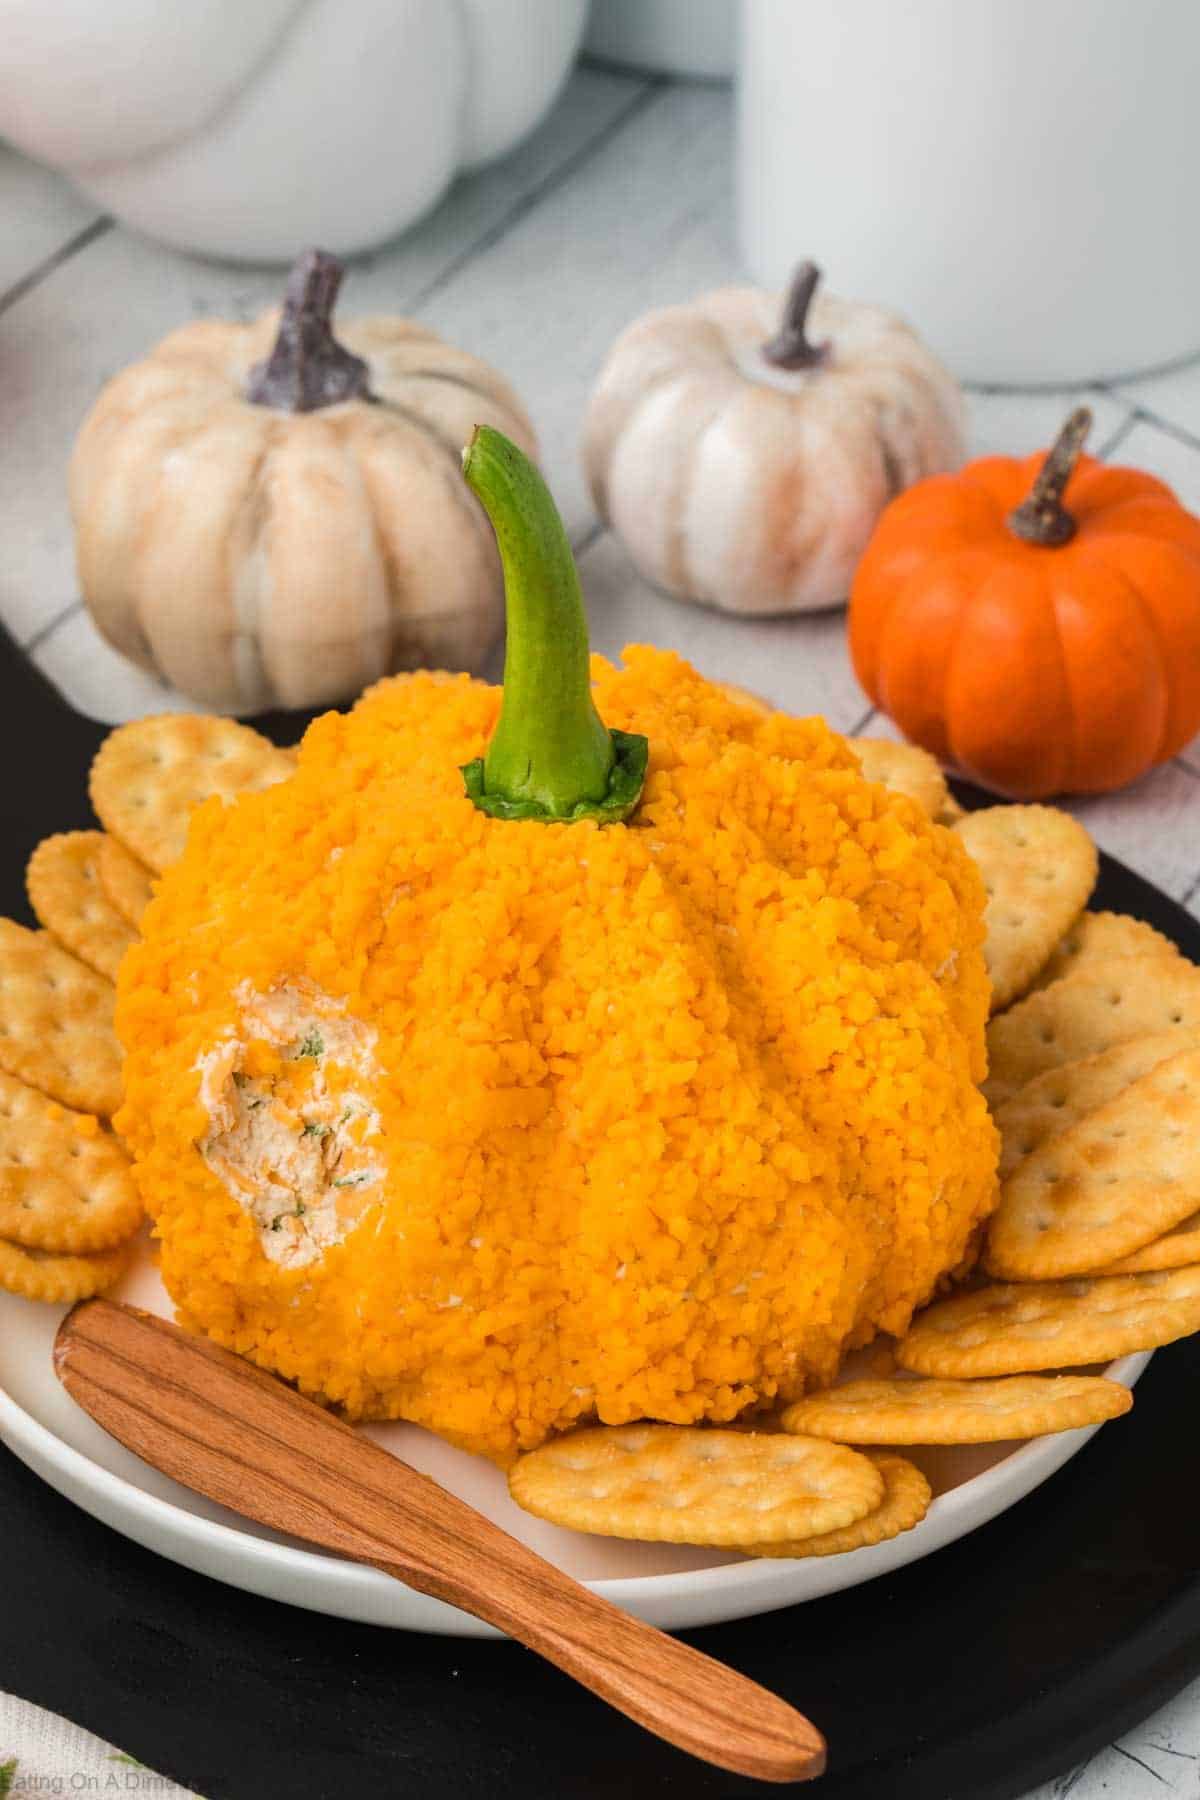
(1094, 1050)
(69, 1210)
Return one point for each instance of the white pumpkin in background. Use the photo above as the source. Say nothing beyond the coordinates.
(265, 516)
(743, 447)
(242, 128)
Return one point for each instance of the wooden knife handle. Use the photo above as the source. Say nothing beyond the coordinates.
(217, 1424)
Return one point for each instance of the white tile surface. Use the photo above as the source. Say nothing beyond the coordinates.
(801, 664)
(1152, 826)
(1016, 424)
(1173, 397)
(645, 222)
(620, 202)
(40, 214)
(1173, 459)
(98, 682)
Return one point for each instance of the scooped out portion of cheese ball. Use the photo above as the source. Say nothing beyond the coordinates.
(642, 1104)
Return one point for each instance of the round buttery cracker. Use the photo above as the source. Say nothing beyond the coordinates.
(690, 1485)
(1096, 937)
(65, 1182)
(906, 1498)
(1017, 1328)
(1114, 1181)
(65, 892)
(148, 777)
(56, 1022)
(59, 1280)
(1039, 866)
(127, 882)
(1051, 1103)
(1175, 1249)
(903, 1411)
(904, 769)
(1084, 1014)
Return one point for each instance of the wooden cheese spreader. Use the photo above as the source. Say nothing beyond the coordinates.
(234, 1433)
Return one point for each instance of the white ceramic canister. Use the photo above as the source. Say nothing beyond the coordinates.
(1017, 177)
(676, 37)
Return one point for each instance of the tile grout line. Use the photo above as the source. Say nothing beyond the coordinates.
(647, 92)
(47, 631)
(588, 538)
(55, 260)
(1095, 390)
(1145, 415)
(1069, 1782)
(1130, 1757)
(1117, 438)
(1110, 385)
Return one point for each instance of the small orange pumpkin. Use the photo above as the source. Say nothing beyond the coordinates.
(1039, 626)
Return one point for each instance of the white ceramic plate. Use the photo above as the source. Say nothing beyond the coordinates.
(670, 1586)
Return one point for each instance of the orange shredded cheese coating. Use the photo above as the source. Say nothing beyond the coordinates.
(672, 1112)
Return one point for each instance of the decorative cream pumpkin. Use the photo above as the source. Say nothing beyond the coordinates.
(744, 462)
(267, 517)
(242, 128)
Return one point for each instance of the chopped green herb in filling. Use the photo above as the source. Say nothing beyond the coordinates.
(312, 1045)
(314, 1128)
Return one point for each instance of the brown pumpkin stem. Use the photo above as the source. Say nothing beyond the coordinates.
(308, 368)
(1042, 518)
(790, 348)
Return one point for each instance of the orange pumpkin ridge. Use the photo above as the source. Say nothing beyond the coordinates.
(1035, 620)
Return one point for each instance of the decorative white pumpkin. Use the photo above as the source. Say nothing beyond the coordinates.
(743, 462)
(243, 127)
(265, 516)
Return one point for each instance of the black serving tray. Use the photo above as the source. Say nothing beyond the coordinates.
(973, 1674)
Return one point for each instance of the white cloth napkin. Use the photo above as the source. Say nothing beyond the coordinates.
(41, 1754)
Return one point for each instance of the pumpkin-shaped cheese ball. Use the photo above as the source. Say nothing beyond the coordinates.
(266, 516)
(501, 1070)
(744, 463)
(1036, 621)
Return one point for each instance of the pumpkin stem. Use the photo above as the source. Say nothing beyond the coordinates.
(308, 368)
(790, 347)
(551, 756)
(1042, 518)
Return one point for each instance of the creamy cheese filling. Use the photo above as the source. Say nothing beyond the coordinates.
(291, 1124)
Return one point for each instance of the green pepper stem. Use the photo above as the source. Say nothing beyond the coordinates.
(551, 756)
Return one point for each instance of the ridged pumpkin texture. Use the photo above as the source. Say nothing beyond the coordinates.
(266, 515)
(1036, 668)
